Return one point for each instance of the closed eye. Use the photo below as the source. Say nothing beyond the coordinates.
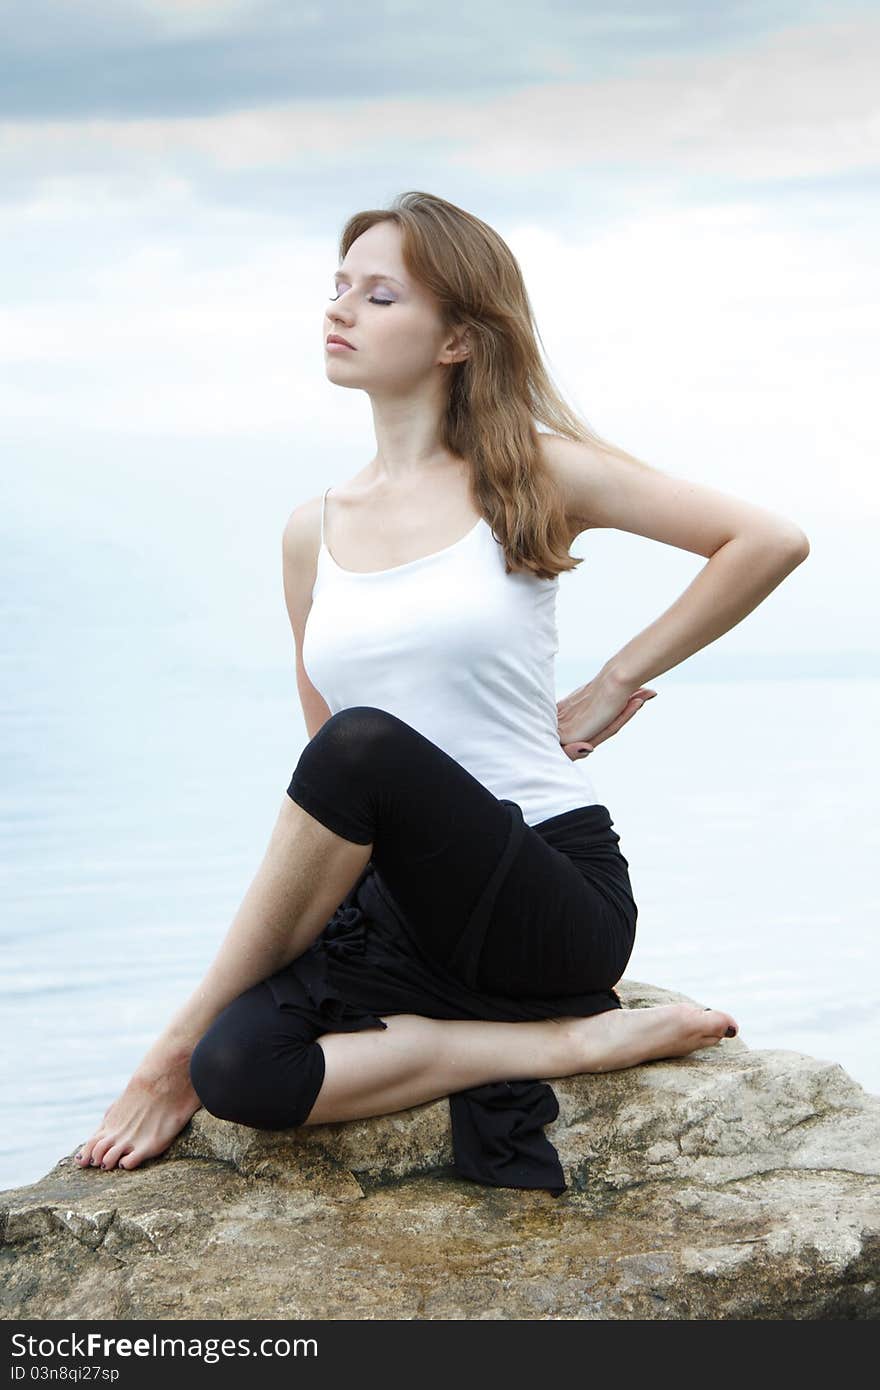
(370, 297)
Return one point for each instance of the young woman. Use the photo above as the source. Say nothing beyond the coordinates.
(439, 766)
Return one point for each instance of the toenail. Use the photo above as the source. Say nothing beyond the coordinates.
(730, 1033)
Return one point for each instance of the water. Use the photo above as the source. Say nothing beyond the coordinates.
(138, 797)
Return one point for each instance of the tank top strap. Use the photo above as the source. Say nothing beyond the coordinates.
(323, 510)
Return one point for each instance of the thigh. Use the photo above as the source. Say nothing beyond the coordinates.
(437, 833)
(487, 894)
(457, 860)
(557, 926)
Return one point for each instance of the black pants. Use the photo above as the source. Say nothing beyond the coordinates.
(559, 922)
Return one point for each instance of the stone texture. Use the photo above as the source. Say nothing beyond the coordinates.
(728, 1184)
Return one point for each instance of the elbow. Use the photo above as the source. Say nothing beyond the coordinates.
(798, 546)
(790, 543)
(787, 541)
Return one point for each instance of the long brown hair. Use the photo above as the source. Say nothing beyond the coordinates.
(502, 388)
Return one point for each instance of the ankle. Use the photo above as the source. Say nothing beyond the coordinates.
(566, 1046)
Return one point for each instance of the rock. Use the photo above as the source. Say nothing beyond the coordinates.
(727, 1184)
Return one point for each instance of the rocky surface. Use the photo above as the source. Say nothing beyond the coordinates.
(728, 1184)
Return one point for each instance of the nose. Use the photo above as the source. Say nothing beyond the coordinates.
(337, 315)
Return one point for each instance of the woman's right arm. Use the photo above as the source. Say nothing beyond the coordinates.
(299, 554)
(160, 1098)
(258, 941)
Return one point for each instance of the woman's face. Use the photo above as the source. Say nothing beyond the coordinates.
(392, 323)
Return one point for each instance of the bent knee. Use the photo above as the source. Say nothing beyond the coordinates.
(359, 738)
(255, 1083)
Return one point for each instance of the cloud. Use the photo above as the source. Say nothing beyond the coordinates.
(800, 102)
(134, 57)
(797, 103)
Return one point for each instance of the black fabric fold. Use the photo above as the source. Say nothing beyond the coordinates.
(305, 985)
(466, 959)
(498, 1135)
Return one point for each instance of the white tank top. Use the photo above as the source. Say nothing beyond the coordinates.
(460, 650)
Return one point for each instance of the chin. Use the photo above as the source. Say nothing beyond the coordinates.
(343, 380)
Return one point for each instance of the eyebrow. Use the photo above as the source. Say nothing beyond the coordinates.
(370, 278)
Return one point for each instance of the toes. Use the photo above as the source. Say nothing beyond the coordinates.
(84, 1153)
(727, 1028)
(114, 1154)
(99, 1149)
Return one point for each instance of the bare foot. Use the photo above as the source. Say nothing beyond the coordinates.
(623, 1038)
(154, 1107)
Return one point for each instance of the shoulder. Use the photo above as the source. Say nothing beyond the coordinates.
(300, 544)
(301, 536)
(580, 473)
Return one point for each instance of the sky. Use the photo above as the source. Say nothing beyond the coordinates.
(691, 191)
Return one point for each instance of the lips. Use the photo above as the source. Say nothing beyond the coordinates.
(335, 338)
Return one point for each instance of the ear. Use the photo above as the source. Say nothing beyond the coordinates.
(458, 346)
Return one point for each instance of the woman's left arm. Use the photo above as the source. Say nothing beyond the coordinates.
(739, 576)
(749, 549)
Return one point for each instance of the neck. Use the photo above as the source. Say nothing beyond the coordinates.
(408, 447)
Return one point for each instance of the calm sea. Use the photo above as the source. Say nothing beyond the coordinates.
(138, 797)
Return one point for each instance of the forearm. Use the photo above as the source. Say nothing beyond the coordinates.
(738, 577)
